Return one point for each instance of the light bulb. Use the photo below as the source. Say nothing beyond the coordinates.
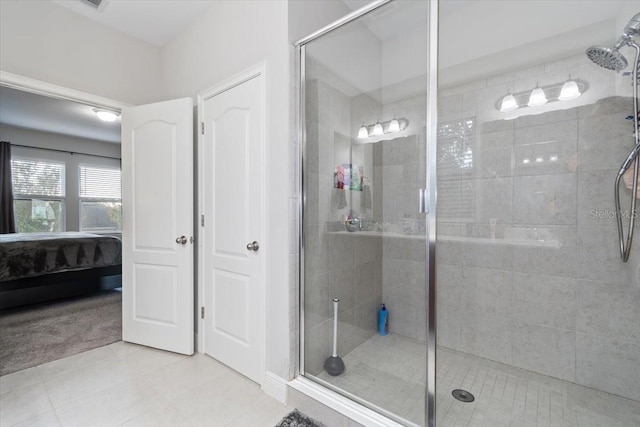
(106, 116)
(377, 129)
(394, 126)
(363, 132)
(570, 90)
(508, 103)
(537, 98)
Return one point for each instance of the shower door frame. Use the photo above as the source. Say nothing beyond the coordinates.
(431, 192)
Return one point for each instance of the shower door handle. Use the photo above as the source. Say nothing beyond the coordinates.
(423, 196)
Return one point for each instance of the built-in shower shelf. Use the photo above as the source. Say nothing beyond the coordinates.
(462, 239)
(507, 242)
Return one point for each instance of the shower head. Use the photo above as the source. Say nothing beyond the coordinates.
(610, 57)
(607, 57)
(633, 27)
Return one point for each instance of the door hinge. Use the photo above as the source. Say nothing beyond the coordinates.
(202, 220)
(202, 127)
(202, 312)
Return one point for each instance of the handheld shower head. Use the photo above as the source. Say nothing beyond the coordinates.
(632, 29)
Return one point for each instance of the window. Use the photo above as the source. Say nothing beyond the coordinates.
(100, 199)
(38, 191)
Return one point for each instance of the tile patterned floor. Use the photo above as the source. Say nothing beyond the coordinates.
(128, 385)
(390, 372)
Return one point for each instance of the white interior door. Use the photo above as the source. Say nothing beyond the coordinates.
(232, 150)
(157, 253)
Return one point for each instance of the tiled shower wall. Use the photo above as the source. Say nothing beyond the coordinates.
(549, 294)
(337, 264)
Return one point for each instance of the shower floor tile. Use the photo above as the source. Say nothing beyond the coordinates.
(390, 372)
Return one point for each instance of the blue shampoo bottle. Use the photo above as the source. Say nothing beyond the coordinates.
(383, 320)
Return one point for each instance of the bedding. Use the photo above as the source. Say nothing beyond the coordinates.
(25, 255)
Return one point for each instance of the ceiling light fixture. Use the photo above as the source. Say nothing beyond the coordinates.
(106, 115)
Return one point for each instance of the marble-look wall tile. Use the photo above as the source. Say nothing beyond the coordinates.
(545, 300)
(557, 260)
(558, 131)
(609, 365)
(493, 198)
(599, 256)
(546, 158)
(487, 291)
(596, 200)
(610, 310)
(486, 335)
(545, 199)
(604, 141)
(485, 254)
(544, 349)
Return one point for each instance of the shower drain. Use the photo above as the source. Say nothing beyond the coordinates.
(463, 395)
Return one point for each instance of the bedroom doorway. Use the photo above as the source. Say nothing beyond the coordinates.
(58, 92)
(66, 178)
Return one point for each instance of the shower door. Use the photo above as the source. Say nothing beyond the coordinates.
(364, 233)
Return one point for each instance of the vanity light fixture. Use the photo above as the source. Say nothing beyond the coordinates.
(106, 115)
(564, 91)
(380, 128)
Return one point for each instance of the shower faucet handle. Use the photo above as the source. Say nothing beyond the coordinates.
(423, 197)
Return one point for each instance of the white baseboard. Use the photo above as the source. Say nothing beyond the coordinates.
(275, 387)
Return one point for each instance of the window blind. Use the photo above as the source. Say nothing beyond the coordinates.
(100, 183)
(37, 178)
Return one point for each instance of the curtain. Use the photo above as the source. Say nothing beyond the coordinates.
(7, 221)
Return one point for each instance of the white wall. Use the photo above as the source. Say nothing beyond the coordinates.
(231, 37)
(88, 148)
(45, 41)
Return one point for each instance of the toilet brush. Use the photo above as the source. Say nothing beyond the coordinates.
(334, 364)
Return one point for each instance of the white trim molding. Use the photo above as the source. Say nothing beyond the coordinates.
(39, 87)
(341, 404)
(275, 387)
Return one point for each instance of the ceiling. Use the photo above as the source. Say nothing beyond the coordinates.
(154, 21)
(37, 112)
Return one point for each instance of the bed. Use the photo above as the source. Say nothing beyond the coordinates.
(38, 267)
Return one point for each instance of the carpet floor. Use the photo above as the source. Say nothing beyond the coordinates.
(39, 333)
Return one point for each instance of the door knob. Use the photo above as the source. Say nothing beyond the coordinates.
(182, 240)
(253, 246)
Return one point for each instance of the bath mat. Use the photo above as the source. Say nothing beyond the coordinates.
(297, 419)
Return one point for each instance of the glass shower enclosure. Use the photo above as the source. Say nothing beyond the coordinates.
(516, 269)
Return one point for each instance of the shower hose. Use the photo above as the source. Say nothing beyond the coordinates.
(632, 159)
